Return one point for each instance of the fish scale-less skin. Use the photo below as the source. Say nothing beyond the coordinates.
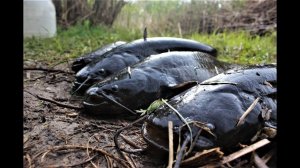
(154, 78)
(82, 61)
(131, 53)
(221, 101)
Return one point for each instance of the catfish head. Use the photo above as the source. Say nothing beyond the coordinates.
(130, 91)
(102, 68)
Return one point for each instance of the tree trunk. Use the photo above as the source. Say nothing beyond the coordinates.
(105, 12)
(70, 12)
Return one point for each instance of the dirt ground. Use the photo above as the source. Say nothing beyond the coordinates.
(62, 137)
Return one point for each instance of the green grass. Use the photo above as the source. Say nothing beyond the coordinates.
(235, 47)
(241, 47)
(74, 42)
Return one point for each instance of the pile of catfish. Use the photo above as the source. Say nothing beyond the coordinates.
(183, 92)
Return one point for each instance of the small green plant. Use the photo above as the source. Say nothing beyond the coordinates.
(153, 106)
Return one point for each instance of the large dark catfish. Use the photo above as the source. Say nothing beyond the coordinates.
(158, 76)
(218, 103)
(131, 53)
(82, 61)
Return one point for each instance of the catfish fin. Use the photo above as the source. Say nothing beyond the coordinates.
(174, 89)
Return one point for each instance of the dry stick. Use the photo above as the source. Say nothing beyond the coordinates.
(95, 166)
(205, 156)
(244, 151)
(129, 141)
(87, 150)
(61, 62)
(122, 129)
(44, 155)
(258, 161)
(29, 160)
(251, 107)
(98, 161)
(55, 102)
(201, 126)
(133, 162)
(171, 152)
(42, 76)
(47, 70)
(59, 104)
(182, 119)
(180, 153)
(127, 159)
(73, 165)
(109, 164)
(107, 161)
(268, 156)
(194, 142)
(36, 155)
(84, 147)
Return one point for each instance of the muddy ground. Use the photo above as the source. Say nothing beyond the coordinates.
(62, 137)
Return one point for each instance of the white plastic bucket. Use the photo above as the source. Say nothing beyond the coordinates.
(39, 18)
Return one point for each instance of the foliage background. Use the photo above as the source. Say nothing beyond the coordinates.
(243, 31)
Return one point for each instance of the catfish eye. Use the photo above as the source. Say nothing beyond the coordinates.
(101, 71)
(115, 88)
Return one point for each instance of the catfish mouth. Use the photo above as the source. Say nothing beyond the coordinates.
(79, 88)
(97, 104)
(100, 103)
(78, 64)
(77, 84)
(80, 85)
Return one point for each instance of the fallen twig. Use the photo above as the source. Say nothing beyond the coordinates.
(122, 129)
(129, 141)
(47, 70)
(29, 160)
(73, 165)
(239, 153)
(133, 162)
(109, 164)
(127, 159)
(244, 151)
(179, 155)
(203, 157)
(95, 166)
(171, 152)
(87, 150)
(183, 120)
(194, 141)
(251, 107)
(268, 156)
(30, 80)
(55, 148)
(258, 161)
(55, 102)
